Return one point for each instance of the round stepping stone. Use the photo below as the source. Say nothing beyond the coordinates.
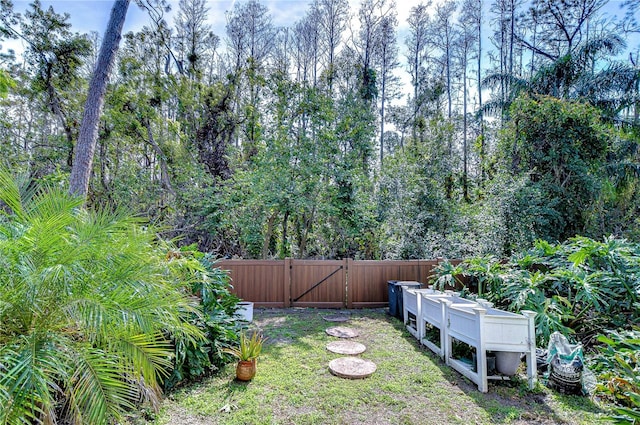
(336, 318)
(352, 367)
(342, 332)
(350, 348)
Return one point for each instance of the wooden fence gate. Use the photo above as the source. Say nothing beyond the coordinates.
(318, 283)
(321, 283)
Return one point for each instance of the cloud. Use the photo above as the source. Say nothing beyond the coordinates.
(286, 13)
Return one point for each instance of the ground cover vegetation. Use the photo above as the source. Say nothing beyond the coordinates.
(411, 385)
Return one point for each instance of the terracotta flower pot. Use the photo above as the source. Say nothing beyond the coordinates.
(246, 370)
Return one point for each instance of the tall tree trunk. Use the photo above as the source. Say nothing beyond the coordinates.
(268, 235)
(465, 166)
(384, 83)
(512, 19)
(165, 176)
(503, 65)
(449, 179)
(449, 83)
(481, 113)
(88, 137)
(636, 104)
(284, 247)
(416, 68)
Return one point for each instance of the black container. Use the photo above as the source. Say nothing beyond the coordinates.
(396, 306)
(393, 298)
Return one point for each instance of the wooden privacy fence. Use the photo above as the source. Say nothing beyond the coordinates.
(321, 283)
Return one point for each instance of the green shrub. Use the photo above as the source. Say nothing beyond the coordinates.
(561, 146)
(581, 287)
(211, 285)
(618, 368)
(89, 306)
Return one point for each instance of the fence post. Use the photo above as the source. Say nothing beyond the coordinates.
(287, 283)
(348, 263)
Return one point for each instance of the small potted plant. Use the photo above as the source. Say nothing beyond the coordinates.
(247, 354)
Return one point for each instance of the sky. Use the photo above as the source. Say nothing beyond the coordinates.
(93, 15)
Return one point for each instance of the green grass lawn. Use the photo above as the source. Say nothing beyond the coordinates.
(411, 385)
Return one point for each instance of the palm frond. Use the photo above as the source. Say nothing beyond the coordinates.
(146, 356)
(610, 44)
(493, 108)
(10, 193)
(29, 378)
(88, 303)
(97, 388)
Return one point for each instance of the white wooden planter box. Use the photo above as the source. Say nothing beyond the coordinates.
(474, 323)
(411, 299)
(489, 329)
(433, 312)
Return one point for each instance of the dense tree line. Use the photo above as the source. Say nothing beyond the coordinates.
(521, 122)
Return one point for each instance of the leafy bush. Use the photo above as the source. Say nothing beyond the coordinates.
(618, 366)
(195, 359)
(561, 146)
(580, 287)
(89, 306)
(412, 204)
(513, 214)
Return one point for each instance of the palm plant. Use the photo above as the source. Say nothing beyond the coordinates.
(249, 349)
(574, 75)
(88, 305)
